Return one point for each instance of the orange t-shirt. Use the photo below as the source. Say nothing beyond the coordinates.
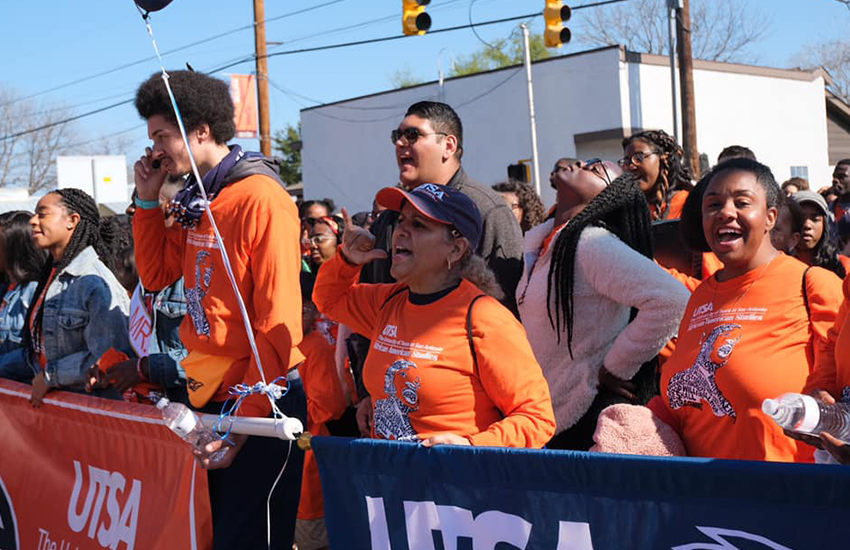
(420, 372)
(740, 342)
(674, 210)
(261, 230)
(832, 370)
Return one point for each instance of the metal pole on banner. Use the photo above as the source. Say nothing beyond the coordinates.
(534, 161)
(288, 429)
(672, 6)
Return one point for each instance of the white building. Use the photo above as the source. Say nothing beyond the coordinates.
(585, 104)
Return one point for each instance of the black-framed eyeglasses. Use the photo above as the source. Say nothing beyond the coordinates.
(594, 166)
(410, 135)
(635, 159)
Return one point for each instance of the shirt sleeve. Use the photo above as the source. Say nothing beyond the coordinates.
(338, 295)
(275, 301)
(106, 328)
(822, 303)
(512, 379)
(158, 251)
(623, 275)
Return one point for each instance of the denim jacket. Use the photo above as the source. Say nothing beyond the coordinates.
(86, 312)
(166, 348)
(16, 302)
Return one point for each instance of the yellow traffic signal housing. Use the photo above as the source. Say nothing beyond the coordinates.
(414, 19)
(556, 33)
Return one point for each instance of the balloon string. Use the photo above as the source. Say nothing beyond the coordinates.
(228, 268)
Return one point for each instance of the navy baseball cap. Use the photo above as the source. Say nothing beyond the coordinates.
(439, 203)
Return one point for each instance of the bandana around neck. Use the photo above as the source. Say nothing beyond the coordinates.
(188, 205)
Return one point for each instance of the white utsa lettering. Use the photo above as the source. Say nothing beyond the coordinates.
(122, 521)
(487, 529)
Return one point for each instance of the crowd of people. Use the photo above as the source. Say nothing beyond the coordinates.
(452, 313)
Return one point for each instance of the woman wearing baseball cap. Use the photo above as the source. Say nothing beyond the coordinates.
(448, 364)
(815, 247)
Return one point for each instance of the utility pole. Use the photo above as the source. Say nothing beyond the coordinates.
(262, 76)
(686, 78)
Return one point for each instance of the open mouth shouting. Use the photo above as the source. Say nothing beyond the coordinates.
(401, 253)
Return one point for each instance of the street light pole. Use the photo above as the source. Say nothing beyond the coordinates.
(534, 161)
(672, 6)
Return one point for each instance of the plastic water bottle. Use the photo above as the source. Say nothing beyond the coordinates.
(182, 421)
(805, 414)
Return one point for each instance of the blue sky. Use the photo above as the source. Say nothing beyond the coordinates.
(49, 43)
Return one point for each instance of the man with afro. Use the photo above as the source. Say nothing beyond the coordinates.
(260, 228)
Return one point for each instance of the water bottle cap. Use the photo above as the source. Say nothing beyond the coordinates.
(162, 403)
(770, 407)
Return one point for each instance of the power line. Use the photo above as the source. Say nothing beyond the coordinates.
(66, 120)
(378, 40)
(302, 50)
(169, 52)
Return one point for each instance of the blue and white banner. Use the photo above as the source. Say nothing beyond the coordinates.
(397, 496)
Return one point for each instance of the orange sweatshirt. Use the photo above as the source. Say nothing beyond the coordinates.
(325, 401)
(260, 228)
(741, 341)
(420, 371)
(832, 371)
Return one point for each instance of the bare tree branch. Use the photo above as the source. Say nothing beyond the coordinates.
(834, 56)
(722, 30)
(30, 160)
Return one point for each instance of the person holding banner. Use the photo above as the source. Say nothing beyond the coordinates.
(155, 319)
(610, 307)
(259, 227)
(448, 363)
(752, 330)
(80, 309)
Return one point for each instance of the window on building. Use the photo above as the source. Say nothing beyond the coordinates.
(800, 172)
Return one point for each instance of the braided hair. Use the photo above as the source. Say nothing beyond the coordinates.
(90, 231)
(621, 209)
(674, 174)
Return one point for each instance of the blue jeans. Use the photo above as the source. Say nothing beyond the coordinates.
(238, 493)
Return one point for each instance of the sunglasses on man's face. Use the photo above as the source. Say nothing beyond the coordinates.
(410, 135)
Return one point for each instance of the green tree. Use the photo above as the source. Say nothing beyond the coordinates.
(504, 53)
(287, 143)
(404, 78)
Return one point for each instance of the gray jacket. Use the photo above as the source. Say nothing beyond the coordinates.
(86, 312)
(501, 239)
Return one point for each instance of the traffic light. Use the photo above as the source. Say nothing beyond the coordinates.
(556, 33)
(520, 172)
(414, 19)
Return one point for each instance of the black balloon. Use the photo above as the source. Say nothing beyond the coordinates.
(152, 5)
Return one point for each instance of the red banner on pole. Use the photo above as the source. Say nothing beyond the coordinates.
(88, 473)
(243, 91)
